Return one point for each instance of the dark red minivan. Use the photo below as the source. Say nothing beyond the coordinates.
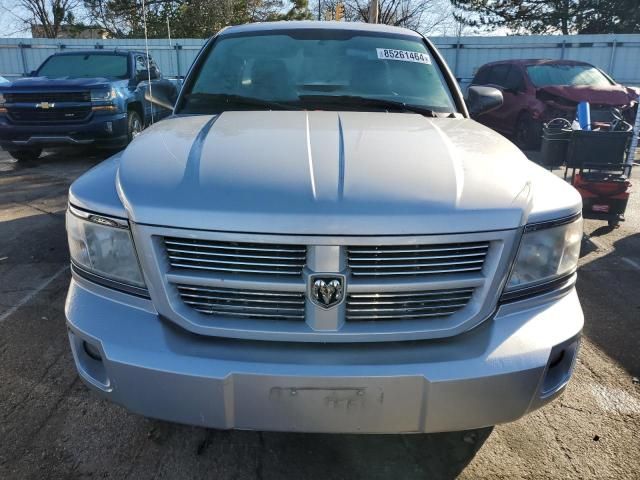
(536, 91)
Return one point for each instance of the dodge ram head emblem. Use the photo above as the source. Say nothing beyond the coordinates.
(327, 291)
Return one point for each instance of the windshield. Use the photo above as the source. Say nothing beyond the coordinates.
(317, 69)
(85, 66)
(548, 75)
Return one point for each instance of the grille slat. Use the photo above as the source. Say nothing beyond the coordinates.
(414, 272)
(418, 249)
(428, 293)
(233, 270)
(388, 263)
(231, 291)
(265, 316)
(381, 261)
(231, 300)
(431, 257)
(238, 258)
(246, 308)
(404, 309)
(231, 255)
(237, 246)
(406, 305)
(413, 301)
(404, 316)
(233, 262)
(268, 305)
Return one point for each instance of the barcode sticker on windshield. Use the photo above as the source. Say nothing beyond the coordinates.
(403, 55)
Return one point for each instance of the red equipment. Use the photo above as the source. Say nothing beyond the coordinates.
(605, 193)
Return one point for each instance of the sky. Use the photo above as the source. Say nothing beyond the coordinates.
(12, 26)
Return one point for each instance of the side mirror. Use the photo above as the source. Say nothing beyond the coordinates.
(159, 97)
(143, 75)
(483, 99)
(33, 73)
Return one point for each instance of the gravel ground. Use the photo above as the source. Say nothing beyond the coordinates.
(53, 427)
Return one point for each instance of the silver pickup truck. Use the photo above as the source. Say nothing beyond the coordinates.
(320, 239)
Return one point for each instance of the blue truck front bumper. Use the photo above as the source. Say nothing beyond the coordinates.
(100, 131)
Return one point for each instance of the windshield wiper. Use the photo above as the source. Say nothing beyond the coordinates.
(227, 99)
(355, 100)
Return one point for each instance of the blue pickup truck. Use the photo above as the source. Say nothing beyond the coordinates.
(91, 98)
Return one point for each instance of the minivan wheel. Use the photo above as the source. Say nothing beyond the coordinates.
(134, 124)
(26, 154)
(528, 134)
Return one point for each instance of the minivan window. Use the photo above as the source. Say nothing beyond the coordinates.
(498, 75)
(514, 79)
(316, 70)
(85, 66)
(482, 77)
(558, 74)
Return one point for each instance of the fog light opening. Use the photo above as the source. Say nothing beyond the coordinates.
(92, 351)
(560, 367)
(555, 360)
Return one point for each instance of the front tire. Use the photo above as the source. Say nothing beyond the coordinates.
(528, 134)
(26, 155)
(134, 125)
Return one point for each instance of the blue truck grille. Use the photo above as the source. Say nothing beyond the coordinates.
(50, 97)
(63, 114)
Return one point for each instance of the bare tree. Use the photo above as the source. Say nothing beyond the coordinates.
(47, 15)
(421, 15)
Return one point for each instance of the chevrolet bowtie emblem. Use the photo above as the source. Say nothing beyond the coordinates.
(45, 105)
(327, 291)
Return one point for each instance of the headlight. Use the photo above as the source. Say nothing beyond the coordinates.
(546, 253)
(103, 247)
(103, 95)
(2, 100)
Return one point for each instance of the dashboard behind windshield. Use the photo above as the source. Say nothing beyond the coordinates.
(298, 69)
(547, 75)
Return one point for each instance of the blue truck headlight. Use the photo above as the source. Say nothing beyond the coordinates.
(103, 95)
(546, 253)
(103, 247)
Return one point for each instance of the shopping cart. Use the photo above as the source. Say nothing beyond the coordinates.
(595, 164)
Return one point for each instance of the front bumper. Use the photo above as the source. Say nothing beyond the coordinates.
(101, 131)
(492, 374)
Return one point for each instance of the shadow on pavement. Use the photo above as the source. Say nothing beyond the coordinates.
(609, 290)
(72, 157)
(327, 456)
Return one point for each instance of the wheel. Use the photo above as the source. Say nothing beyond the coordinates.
(134, 124)
(26, 155)
(528, 134)
(614, 223)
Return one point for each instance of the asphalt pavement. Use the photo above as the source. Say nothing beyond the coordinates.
(52, 426)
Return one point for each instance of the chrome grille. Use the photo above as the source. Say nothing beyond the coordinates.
(406, 305)
(415, 260)
(235, 257)
(256, 304)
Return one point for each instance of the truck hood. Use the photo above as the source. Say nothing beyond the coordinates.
(326, 173)
(614, 95)
(38, 83)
